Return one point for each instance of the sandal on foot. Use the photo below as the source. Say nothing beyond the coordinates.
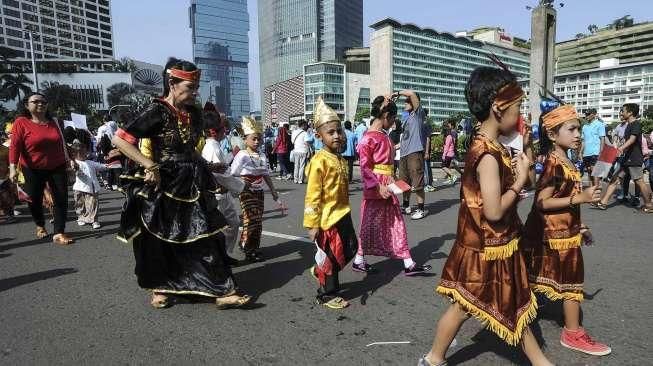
(425, 362)
(232, 301)
(161, 303)
(41, 232)
(600, 206)
(647, 209)
(62, 239)
(333, 302)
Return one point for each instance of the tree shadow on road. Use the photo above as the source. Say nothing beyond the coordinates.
(11, 282)
(388, 269)
(268, 276)
(441, 205)
(486, 341)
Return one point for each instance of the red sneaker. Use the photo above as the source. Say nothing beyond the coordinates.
(579, 340)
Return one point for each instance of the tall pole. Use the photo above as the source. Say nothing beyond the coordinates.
(542, 70)
(31, 48)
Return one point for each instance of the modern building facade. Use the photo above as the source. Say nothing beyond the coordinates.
(631, 44)
(607, 88)
(293, 33)
(284, 101)
(435, 64)
(326, 80)
(221, 49)
(60, 29)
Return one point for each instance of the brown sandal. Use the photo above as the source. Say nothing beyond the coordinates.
(62, 239)
(41, 232)
(232, 301)
(647, 209)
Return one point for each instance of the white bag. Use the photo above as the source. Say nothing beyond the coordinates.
(292, 155)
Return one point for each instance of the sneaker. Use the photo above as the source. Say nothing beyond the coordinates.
(580, 341)
(407, 210)
(114, 187)
(362, 268)
(429, 189)
(96, 225)
(279, 178)
(80, 223)
(416, 269)
(620, 197)
(418, 214)
(16, 213)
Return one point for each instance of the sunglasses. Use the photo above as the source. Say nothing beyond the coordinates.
(41, 102)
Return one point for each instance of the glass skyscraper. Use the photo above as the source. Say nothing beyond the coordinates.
(221, 50)
(293, 33)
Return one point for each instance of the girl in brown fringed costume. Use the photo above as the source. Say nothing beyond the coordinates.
(554, 230)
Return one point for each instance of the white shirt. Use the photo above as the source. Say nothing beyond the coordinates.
(86, 176)
(214, 154)
(246, 163)
(105, 129)
(299, 138)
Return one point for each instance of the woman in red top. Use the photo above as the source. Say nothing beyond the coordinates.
(37, 145)
(282, 149)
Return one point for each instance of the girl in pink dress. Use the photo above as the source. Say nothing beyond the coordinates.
(383, 231)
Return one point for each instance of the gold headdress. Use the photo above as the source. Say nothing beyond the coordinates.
(558, 116)
(250, 126)
(323, 114)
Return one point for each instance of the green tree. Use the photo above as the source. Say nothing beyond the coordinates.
(361, 113)
(13, 86)
(125, 64)
(648, 112)
(61, 99)
(119, 93)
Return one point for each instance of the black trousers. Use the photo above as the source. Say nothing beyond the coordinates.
(350, 166)
(35, 180)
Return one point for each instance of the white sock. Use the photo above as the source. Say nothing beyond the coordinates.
(359, 259)
(408, 262)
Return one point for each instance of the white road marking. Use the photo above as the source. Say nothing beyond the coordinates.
(285, 236)
(382, 343)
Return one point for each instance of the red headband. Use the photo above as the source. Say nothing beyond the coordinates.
(185, 75)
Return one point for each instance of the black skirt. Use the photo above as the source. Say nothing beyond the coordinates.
(176, 231)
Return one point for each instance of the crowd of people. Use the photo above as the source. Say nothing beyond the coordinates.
(190, 183)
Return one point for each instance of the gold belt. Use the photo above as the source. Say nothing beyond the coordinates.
(383, 169)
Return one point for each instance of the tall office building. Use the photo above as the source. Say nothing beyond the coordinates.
(293, 33)
(435, 64)
(221, 50)
(61, 29)
(630, 44)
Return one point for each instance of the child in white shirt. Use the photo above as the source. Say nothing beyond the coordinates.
(86, 188)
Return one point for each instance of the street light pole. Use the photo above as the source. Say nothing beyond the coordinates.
(31, 48)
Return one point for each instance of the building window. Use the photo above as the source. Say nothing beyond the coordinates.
(91, 24)
(107, 44)
(77, 20)
(91, 7)
(107, 52)
(28, 7)
(92, 32)
(63, 16)
(93, 49)
(14, 33)
(105, 19)
(105, 27)
(12, 13)
(12, 3)
(64, 34)
(13, 23)
(15, 43)
(93, 40)
(67, 53)
(106, 35)
(47, 3)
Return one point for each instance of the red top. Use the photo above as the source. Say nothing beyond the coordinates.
(36, 146)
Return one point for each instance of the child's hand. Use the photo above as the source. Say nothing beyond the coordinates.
(588, 238)
(384, 191)
(521, 163)
(590, 195)
(313, 232)
(275, 195)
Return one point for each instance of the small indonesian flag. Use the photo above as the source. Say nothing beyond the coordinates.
(22, 195)
(606, 160)
(399, 187)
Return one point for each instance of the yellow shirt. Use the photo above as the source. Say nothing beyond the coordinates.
(327, 192)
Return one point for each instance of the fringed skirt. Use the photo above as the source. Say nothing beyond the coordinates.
(496, 292)
(557, 273)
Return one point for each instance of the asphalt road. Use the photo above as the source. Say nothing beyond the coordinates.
(80, 305)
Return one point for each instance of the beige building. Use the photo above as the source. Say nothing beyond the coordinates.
(630, 44)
